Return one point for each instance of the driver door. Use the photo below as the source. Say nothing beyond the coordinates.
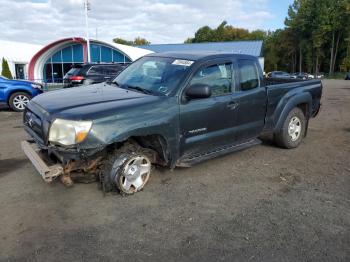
(207, 123)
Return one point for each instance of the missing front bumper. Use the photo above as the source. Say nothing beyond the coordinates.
(47, 172)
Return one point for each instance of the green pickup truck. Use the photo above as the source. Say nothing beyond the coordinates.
(165, 109)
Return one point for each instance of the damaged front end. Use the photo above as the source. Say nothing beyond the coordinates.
(53, 160)
(42, 164)
(85, 171)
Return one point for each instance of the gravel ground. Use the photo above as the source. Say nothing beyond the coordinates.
(261, 204)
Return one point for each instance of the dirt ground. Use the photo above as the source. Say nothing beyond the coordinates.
(261, 204)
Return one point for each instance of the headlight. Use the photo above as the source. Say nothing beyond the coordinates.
(37, 86)
(68, 132)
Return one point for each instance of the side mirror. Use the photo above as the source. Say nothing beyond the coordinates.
(198, 91)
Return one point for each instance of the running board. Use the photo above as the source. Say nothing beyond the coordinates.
(190, 160)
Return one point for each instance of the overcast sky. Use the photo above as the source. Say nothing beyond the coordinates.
(159, 21)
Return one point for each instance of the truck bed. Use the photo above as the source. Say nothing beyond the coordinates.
(281, 91)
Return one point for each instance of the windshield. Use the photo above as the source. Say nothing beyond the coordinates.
(155, 75)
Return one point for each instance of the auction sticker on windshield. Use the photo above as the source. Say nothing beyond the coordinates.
(182, 62)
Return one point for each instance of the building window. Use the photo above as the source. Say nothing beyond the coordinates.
(95, 53)
(78, 54)
(62, 61)
(106, 54)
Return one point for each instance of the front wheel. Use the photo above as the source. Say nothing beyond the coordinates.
(128, 172)
(18, 101)
(293, 129)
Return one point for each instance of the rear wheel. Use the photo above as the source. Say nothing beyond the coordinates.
(293, 129)
(18, 101)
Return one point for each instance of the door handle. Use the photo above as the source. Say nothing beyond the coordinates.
(232, 105)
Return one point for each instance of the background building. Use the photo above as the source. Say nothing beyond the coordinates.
(18, 56)
(51, 62)
(254, 48)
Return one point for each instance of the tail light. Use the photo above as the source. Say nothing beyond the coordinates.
(77, 79)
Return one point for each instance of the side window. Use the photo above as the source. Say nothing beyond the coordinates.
(218, 77)
(249, 74)
(114, 70)
(96, 70)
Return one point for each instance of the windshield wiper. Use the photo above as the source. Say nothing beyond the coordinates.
(140, 89)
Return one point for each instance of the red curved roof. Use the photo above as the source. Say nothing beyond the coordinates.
(49, 46)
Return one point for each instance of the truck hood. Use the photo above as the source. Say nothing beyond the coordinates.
(89, 102)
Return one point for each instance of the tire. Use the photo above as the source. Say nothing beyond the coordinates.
(18, 101)
(293, 130)
(127, 170)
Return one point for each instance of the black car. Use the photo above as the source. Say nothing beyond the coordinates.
(91, 74)
(347, 76)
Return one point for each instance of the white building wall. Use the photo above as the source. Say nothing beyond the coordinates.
(17, 53)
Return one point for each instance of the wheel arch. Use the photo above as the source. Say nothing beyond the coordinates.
(10, 93)
(156, 142)
(302, 101)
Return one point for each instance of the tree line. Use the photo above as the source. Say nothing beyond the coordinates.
(137, 41)
(316, 38)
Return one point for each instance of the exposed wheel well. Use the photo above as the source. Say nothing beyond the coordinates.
(156, 143)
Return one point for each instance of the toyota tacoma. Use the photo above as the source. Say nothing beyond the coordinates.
(165, 109)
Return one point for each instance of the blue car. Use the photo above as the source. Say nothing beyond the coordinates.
(17, 93)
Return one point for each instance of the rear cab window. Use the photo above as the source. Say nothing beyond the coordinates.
(248, 74)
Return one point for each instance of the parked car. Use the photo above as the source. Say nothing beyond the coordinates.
(313, 76)
(17, 93)
(347, 76)
(302, 75)
(170, 109)
(278, 74)
(319, 76)
(91, 74)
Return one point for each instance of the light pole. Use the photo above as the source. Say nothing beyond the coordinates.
(87, 8)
